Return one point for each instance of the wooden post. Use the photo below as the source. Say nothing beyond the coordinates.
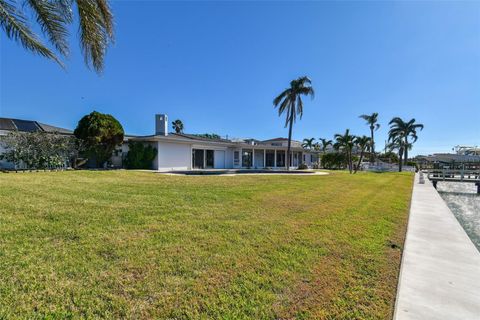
(434, 184)
(478, 187)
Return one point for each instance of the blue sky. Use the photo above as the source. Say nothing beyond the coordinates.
(218, 65)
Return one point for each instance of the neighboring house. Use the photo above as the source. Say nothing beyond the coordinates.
(190, 152)
(8, 125)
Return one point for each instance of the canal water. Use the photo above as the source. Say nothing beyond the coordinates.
(464, 202)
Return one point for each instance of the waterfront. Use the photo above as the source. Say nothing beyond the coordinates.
(464, 202)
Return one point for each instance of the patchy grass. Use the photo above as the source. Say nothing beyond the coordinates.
(143, 245)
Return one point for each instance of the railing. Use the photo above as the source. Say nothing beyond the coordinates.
(457, 175)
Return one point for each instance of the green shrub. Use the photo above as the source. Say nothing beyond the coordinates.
(334, 160)
(100, 133)
(140, 156)
(302, 166)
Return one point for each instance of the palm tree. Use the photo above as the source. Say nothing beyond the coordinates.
(374, 126)
(325, 143)
(404, 130)
(53, 17)
(362, 143)
(397, 143)
(290, 102)
(345, 143)
(177, 125)
(308, 143)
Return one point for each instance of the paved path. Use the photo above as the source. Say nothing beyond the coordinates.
(440, 273)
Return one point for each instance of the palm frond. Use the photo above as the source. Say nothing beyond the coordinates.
(52, 19)
(14, 23)
(107, 17)
(280, 97)
(95, 32)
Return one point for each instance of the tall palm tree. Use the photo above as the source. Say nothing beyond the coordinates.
(404, 130)
(177, 125)
(345, 143)
(290, 102)
(396, 142)
(53, 17)
(325, 143)
(362, 143)
(372, 122)
(308, 143)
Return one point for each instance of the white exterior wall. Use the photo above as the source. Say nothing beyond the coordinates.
(229, 158)
(173, 156)
(219, 158)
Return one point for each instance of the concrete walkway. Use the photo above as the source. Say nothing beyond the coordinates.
(440, 272)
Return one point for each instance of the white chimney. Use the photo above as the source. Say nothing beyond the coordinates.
(161, 124)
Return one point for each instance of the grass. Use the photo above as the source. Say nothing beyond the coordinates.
(121, 244)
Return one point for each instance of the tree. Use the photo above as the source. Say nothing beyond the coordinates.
(177, 125)
(362, 143)
(334, 160)
(374, 126)
(140, 156)
(290, 102)
(345, 144)
(308, 143)
(325, 143)
(101, 133)
(397, 143)
(209, 135)
(39, 150)
(54, 17)
(404, 130)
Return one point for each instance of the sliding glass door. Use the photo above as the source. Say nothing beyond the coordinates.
(198, 157)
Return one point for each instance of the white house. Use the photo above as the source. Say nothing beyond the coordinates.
(190, 152)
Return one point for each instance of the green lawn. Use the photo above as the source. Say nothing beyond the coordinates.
(121, 244)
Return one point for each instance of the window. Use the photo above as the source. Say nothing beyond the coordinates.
(236, 158)
(197, 158)
(209, 159)
(247, 157)
(281, 158)
(270, 158)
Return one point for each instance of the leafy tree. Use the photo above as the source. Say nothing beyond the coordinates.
(39, 150)
(54, 17)
(345, 144)
(362, 143)
(389, 156)
(324, 143)
(209, 135)
(372, 122)
(308, 143)
(290, 102)
(334, 160)
(101, 133)
(140, 156)
(404, 130)
(177, 125)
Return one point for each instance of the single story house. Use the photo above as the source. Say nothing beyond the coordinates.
(178, 151)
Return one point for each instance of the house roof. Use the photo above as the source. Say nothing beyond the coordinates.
(10, 124)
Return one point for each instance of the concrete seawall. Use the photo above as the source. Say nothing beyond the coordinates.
(440, 272)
